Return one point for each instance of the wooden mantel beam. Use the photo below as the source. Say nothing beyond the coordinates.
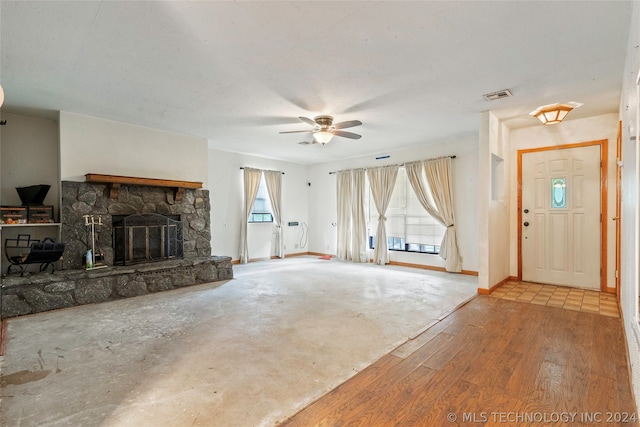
(116, 181)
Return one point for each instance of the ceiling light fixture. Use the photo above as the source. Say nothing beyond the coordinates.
(1, 96)
(323, 136)
(554, 113)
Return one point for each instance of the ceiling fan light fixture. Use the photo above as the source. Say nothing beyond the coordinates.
(323, 136)
(324, 129)
(552, 114)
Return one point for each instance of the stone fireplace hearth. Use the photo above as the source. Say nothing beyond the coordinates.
(73, 285)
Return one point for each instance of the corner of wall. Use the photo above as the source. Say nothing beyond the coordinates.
(484, 165)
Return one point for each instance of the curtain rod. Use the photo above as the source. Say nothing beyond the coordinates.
(402, 164)
(242, 167)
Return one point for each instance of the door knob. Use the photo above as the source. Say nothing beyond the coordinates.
(526, 223)
(615, 218)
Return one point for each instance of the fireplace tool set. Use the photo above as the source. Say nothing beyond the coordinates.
(90, 259)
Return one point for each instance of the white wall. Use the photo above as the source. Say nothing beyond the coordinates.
(29, 156)
(226, 192)
(568, 132)
(323, 201)
(494, 196)
(630, 203)
(92, 145)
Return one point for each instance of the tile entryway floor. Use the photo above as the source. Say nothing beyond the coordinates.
(559, 296)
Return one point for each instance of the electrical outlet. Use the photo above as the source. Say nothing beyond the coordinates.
(328, 246)
(285, 246)
(296, 246)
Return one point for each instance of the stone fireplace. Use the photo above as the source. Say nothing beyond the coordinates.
(81, 198)
(139, 224)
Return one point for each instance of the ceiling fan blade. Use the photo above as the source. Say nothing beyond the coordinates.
(345, 134)
(307, 120)
(297, 131)
(349, 124)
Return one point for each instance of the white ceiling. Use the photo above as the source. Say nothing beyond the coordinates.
(237, 73)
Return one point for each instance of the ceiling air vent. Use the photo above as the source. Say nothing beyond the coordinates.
(506, 93)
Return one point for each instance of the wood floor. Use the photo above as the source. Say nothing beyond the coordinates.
(493, 362)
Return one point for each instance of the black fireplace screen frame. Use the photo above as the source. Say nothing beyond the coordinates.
(141, 238)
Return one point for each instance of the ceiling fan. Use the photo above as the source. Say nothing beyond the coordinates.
(324, 129)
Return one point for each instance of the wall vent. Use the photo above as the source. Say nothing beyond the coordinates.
(506, 93)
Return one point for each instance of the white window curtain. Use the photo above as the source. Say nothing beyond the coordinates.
(358, 218)
(251, 184)
(414, 174)
(438, 174)
(345, 201)
(382, 181)
(274, 187)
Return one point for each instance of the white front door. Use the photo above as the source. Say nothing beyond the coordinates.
(561, 217)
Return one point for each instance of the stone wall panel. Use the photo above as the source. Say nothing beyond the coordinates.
(126, 287)
(13, 305)
(40, 300)
(64, 286)
(157, 282)
(187, 278)
(80, 198)
(35, 293)
(89, 291)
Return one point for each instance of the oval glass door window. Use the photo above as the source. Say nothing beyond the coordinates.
(558, 193)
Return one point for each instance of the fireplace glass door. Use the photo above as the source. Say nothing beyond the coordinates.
(146, 238)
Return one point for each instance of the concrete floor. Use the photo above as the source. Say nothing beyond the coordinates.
(249, 352)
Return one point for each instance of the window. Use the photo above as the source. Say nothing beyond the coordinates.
(558, 193)
(261, 210)
(409, 227)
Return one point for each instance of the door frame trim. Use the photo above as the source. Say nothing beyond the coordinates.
(603, 143)
(618, 216)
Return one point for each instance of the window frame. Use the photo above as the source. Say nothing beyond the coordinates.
(424, 248)
(391, 246)
(258, 216)
(254, 220)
